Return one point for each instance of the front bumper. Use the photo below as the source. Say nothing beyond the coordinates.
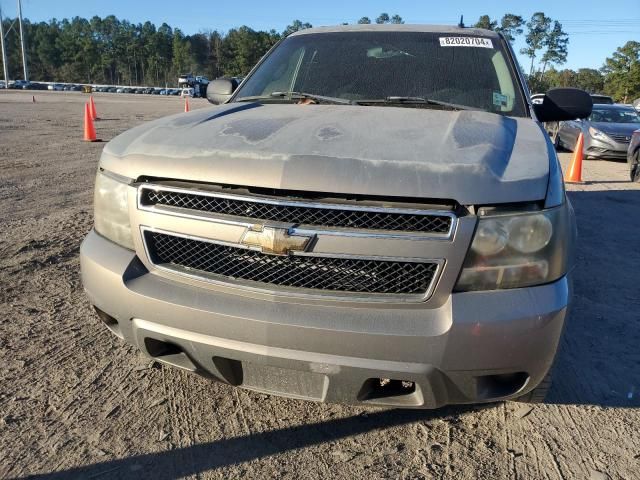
(595, 148)
(476, 347)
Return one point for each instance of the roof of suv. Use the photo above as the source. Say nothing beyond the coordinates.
(611, 106)
(399, 28)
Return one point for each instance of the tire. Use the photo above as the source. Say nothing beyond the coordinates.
(538, 394)
(634, 167)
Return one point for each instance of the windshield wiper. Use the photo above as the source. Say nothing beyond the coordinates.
(297, 96)
(418, 101)
(312, 96)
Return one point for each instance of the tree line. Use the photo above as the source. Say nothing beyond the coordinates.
(113, 51)
(547, 47)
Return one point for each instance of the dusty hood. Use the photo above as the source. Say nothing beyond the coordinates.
(471, 157)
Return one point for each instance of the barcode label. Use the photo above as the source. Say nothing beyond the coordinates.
(466, 42)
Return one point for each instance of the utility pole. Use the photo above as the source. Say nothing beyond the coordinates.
(24, 57)
(4, 54)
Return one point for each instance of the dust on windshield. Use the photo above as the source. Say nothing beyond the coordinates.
(374, 66)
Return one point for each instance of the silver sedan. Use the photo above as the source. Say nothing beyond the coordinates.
(607, 132)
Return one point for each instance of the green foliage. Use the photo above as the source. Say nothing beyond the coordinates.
(622, 72)
(112, 51)
(295, 26)
(588, 79)
(364, 21)
(556, 46)
(382, 19)
(485, 22)
(242, 48)
(537, 33)
(511, 26)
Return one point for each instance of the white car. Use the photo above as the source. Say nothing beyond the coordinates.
(55, 86)
(187, 92)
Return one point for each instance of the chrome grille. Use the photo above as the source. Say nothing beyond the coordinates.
(317, 214)
(317, 273)
(620, 138)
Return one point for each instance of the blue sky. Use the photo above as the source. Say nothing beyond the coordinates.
(596, 28)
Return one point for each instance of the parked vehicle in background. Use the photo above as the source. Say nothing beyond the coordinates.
(56, 87)
(198, 83)
(374, 216)
(607, 131)
(186, 78)
(156, 91)
(633, 156)
(601, 99)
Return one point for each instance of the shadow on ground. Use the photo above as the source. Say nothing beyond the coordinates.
(600, 352)
(203, 457)
(597, 363)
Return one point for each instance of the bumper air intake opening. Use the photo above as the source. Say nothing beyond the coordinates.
(110, 322)
(169, 353)
(503, 385)
(387, 391)
(228, 370)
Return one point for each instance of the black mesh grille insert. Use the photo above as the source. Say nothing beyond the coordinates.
(320, 273)
(327, 217)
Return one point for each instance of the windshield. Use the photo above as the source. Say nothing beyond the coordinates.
(615, 115)
(463, 70)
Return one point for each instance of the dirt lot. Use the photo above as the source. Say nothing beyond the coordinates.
(76, 402)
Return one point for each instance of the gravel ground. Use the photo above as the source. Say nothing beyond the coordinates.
(76, 402)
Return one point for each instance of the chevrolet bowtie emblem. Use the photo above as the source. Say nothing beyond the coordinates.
(275, 241)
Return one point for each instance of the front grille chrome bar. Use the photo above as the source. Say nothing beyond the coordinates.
(330, 218)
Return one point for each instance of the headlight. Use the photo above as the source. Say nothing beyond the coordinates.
(595, 133)
(111, 210)
(511, 251)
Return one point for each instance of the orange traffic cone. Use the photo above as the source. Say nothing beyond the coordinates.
(574, 174)
(33, 99)
(186, 104)
(89, 130)
(92, 109)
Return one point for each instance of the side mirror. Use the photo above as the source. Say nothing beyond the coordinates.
(564, 104)
(220, 90)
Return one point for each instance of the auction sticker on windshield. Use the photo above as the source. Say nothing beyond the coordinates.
(466, 42)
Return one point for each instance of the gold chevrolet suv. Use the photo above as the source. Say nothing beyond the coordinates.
(375, 215)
